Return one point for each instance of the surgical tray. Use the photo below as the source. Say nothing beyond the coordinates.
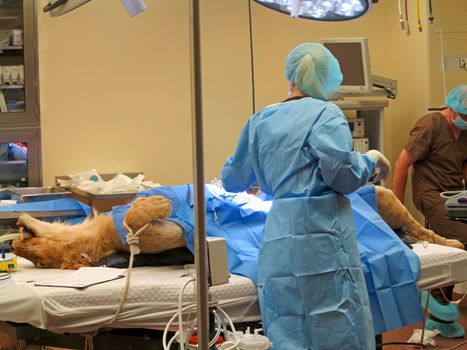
(36, 194)
(102, 201)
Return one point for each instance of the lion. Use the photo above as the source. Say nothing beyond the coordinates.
(64, 246)
(59, 245)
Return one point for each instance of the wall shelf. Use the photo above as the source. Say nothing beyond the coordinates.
(12, 86)
(2, 48)
(10, 162)
(19, 103)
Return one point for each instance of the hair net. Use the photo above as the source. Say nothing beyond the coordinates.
(457, 99)
(314, 70)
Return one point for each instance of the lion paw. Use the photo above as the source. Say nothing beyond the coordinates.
(148, 209)
(454, 243)
(27, 224)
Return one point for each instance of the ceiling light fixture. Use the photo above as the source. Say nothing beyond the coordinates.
(321, 10)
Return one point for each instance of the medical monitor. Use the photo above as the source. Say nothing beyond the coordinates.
(354, 60)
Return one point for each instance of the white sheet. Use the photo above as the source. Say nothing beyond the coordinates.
(154, 291)
(441, 266)
(152, 299)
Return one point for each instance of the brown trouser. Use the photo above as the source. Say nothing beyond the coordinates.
(439, 223)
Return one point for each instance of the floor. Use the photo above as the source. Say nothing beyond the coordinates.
(403, 334)
(400, 335)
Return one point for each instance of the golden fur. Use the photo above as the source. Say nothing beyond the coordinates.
(393, 212)
(73, 246)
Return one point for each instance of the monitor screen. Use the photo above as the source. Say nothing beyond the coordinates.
(354, 60)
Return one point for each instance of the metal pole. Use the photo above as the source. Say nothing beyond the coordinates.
(202, 310)
(253, 89)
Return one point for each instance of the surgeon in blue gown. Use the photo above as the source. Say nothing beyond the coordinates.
(310, 282)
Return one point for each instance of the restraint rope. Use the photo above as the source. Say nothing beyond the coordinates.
(88, 340)
(133, 241)
(20, 344)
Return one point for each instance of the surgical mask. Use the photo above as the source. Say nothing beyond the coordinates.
(460, 123)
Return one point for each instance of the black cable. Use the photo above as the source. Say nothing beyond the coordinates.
(389, 93)
(407, 25)
(251, 58)
(5, 276)
(422, 346)
(430, 10)
(455, 346)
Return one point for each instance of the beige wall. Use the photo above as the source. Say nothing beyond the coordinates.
(115, 91)
(226, 76)
(450, 19)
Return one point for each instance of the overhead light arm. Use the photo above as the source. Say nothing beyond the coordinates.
(51, 6)
(60, 7)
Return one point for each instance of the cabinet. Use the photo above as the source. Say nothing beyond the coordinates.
(19, 110)
(372, 113)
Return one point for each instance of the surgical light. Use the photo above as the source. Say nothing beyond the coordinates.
(321, 10)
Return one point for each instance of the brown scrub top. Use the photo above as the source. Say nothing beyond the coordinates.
(440, 160)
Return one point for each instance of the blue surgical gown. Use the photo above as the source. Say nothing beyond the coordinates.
(310, 282)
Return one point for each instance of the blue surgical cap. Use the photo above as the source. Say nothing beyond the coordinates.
(314, 70)
(457, 99)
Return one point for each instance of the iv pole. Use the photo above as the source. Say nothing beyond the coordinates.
(200, 250)
(61, 7)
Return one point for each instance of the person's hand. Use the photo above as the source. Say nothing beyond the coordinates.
(382, 167)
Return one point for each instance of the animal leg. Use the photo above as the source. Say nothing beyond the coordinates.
(396, 215)
(146, 210)
(34, 226)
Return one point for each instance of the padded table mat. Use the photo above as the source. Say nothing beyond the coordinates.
(152, 299)
(154, 291)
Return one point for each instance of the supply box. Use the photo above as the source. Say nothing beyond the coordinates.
(361, 145)
(357, 127)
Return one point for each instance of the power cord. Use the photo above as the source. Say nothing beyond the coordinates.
(422, 346)
(389, 93)
(455, 346)
(456, 302)
(452, 194)
(180, 314)
(5, 275)
(183, 335)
